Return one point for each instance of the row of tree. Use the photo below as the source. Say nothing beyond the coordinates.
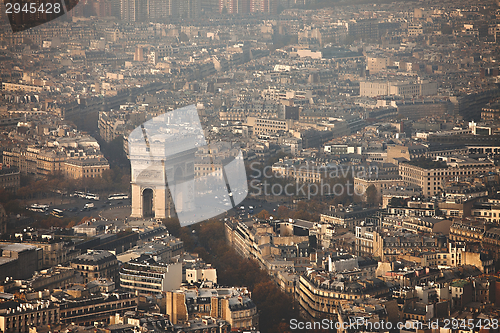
(208, 239)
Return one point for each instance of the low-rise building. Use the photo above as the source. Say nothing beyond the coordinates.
(19, 317)
(10, 179)
(230, 304)
(320, 293)
(19, 261)
(96, 264)
(85, 168)
(431, 175)
(146, 276)
(87, 310)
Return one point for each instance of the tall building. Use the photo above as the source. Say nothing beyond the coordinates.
(127, 10)
(235, 6)
(134, 10)
(208, 6)
(366, 29)
(115, 8)
(102, 8)
(256, 6)
(288, 112)
(189, 9)
(228, 6)
(173, 7)
(139, 53)
(158, 10)
(269, 6)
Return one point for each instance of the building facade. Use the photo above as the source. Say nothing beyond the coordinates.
(96, 264)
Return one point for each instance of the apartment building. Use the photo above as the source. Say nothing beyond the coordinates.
(273, 94)
(109, 129)
(54, 253)
(19, 261)
(86, 311)
(239, 311)
(10, 179)
(366, 29)
(380, 182)
(401, 244)
(85, 168)
(49, 162)
(200, 274)
(491, 241)
(146, 276)
(320, 293)
(55, 277)
(20, 317)
(415, 29)
(96, 264)
(467, 231)
(27, 160)
(231, 304)
(304, 173)
(369, 242)
(114, 124)
(263, 126)
(487, 210)
(163, 250)
(459, 254)
(36, 161)
(348, 217)
(21, 87)
(377, 64)
(403, 89)
(430, 176)
(414, 208)
(415, 224)
(491, 112)
(242, 238)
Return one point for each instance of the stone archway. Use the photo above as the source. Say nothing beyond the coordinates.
(147, 203)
